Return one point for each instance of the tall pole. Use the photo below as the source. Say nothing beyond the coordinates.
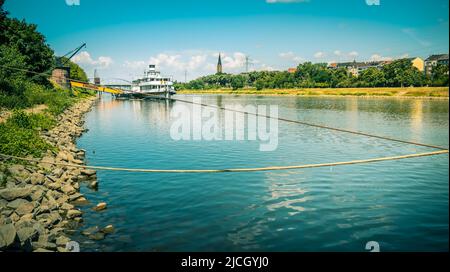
(246, 64)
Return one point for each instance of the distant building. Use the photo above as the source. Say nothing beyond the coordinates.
(355, 68)
(219, 65)
(434, 60)
(418, 63)
(292, 70)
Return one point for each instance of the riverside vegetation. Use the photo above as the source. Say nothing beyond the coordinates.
(429, 92)
(39, 201)
(398, 74)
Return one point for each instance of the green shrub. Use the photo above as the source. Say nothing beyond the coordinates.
(19, 141)
(20, 119)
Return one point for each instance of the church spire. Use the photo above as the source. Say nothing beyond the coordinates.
(219, 65)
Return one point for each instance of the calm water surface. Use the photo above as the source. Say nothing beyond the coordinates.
(401, 204)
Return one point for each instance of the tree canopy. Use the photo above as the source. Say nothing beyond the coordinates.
(399, 73)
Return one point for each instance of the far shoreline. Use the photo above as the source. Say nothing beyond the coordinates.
(438, 93)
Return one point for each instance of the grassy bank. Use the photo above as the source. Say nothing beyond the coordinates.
(432, 92)
(20, 132)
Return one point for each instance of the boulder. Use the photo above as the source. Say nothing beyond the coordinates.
(47, 163)
(97, 236)
(90, 230)
(7, 235)
(88, 172)
(67, 206)
(73, 213)
(37, 195)
(93, 185)
(108, 229)
(26, 234)
(25, 208)
(54, 185)
(37, 178)
(99, 207)
(14, 193)
(42, 250)
(16, 203)
(62, 241)
(80, 201)
(68, 189)
(58, 172)
(16, 169)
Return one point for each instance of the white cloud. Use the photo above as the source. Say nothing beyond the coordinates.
(236, 60)
(84, 58)
(377, 57)
(319, 55)
(291, 56)
(337, 52)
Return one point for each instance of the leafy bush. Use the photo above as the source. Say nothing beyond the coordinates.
(20, 119)
(19, 141)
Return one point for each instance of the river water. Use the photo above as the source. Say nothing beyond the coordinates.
(403, 205)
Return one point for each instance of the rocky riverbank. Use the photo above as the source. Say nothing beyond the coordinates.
(39, 203)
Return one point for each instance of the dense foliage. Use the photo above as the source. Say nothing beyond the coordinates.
(399, 73)
(19, 135)
(23, 48)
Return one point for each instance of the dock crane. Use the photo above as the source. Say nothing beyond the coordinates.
(73, 53)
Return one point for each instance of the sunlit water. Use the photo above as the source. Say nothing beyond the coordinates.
(402, 204)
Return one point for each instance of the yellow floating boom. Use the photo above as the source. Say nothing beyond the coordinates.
(95, 87)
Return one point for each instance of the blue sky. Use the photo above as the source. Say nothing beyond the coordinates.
(124, 36)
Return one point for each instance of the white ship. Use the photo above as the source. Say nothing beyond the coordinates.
(152, 84)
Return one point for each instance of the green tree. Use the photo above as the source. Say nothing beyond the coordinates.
(29, 43)
(439, 76)
(259, 84)
(372, 77)
(237, 82)
(402, 73)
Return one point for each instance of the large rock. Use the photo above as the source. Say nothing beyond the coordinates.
(108, 229)
(93, 185)
(7, 235)
(37, 178)
(58, 172)
(68, 189)
(42, 250)
(26, 234)
(25, 208)
(62, 241)
(16, 169)
(16, 203)
(88, 172)
(14, 193)
(37, 195)
(90, 230)
(73, 213)
(54, 185)
(97, 236)
(47, 163)
(99, 207)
